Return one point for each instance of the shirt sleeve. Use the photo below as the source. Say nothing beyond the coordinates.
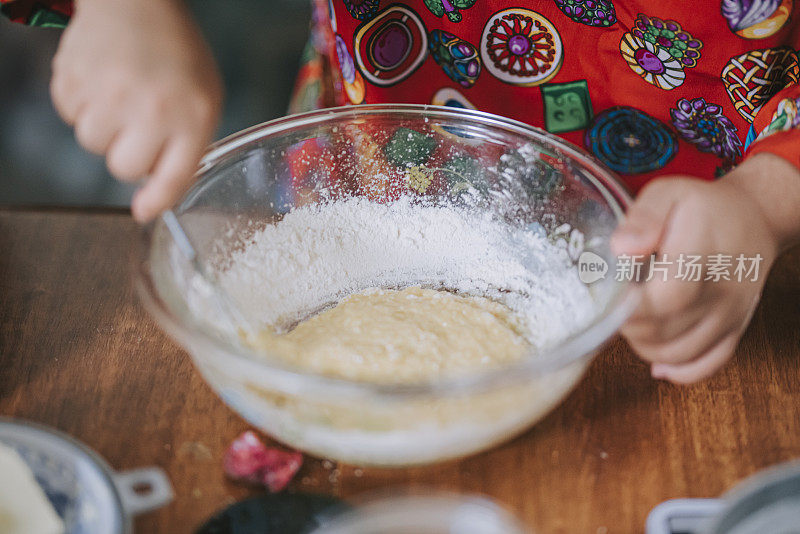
(776, 128)
(318, 83)
(42, 13)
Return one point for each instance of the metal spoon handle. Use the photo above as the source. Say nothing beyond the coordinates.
(221, 299)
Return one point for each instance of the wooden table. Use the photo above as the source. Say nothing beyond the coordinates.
(79, 353)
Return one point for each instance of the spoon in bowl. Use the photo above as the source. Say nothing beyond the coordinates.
(224, 305)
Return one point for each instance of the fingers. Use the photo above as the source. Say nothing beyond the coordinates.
(689, 345)
(688, 325)
(171, 176)
(698, 369)
(67, 103)
(65, 92)
(178, 160)
(140, 86)
(685, 346)
(135, 151)
(96, 127)
(661, 300)
(646, 220)
(141, 136)
(70, 81)
(644, 330)
(671, 294)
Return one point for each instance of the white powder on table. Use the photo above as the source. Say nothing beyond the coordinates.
(317, 254)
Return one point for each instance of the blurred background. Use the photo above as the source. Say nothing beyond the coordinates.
(257, 43)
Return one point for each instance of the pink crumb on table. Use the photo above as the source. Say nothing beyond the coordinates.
(249, 459)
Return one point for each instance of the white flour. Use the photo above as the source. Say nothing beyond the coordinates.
(317, 254)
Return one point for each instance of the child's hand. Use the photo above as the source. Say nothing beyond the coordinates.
(688, 330)
(138, 83)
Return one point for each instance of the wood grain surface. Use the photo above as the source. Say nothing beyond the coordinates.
(78, 352)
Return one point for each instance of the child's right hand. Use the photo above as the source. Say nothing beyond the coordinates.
(140, 86)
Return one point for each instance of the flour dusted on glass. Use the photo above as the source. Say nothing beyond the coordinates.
(318, 254)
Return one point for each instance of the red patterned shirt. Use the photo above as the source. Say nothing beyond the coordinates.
(650, 88)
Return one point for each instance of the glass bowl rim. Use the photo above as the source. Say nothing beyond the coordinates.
(390, 505)
(573, 349)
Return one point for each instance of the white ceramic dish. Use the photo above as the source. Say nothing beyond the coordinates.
(89, 496)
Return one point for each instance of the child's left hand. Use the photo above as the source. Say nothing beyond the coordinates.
(689, 329)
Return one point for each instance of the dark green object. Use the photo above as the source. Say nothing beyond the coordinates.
(538, 177)
(464, 173)
(567, 106)
(449, 8)
(408, 147)
(280, 513)
(545, 180)
(46, 18)
(40, 16)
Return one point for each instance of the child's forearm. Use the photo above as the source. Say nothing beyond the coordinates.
(774, 185)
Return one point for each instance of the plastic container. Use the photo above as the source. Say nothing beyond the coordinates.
(254, 177)
(766, 502)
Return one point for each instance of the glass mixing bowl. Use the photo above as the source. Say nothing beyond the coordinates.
(528, 177)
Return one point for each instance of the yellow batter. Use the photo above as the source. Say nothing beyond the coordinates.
(402, 336)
